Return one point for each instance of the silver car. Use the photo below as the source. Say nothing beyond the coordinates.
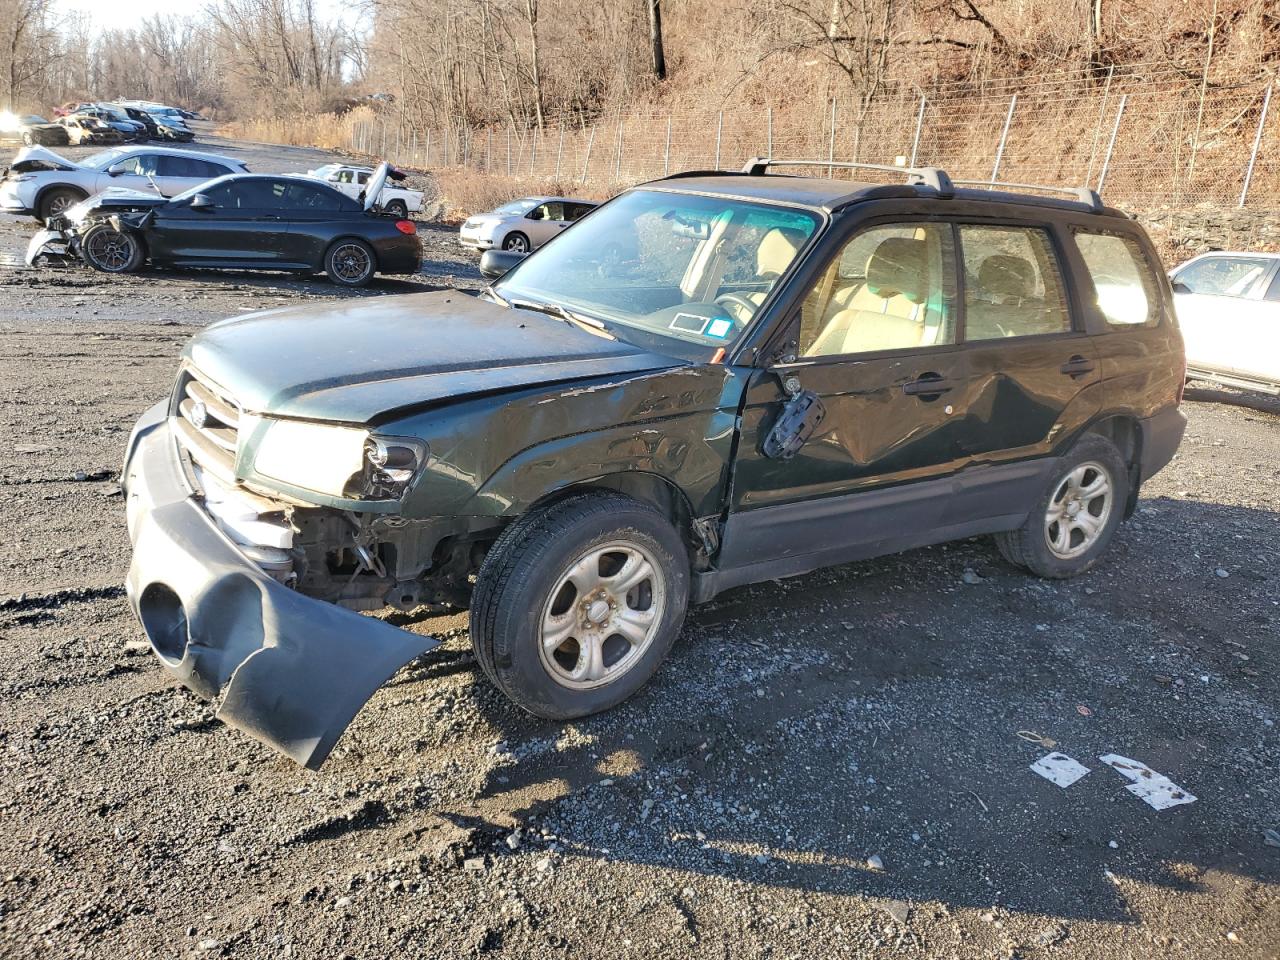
(42, 183)
(522, 225)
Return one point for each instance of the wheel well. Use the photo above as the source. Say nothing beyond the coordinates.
(657, 491)
(44, 192)
(1125, 433)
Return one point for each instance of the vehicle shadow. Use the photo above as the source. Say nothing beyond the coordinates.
(873, 710)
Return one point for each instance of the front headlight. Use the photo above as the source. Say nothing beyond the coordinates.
(342, 462)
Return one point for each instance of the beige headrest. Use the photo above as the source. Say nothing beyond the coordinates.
(777, 249)
(899, 267)
(1007, 276)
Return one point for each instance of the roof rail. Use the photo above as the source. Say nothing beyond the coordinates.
(933, 177)
(1085, 195)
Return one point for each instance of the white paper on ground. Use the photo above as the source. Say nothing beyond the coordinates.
(1059, 768)
(1155, 788)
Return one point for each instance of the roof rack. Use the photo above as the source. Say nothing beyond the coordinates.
(923, 176)
(1085, 195)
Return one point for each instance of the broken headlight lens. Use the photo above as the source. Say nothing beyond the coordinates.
(390, 464)
(339, 461)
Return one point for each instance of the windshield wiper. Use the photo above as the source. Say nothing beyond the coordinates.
(590, 324)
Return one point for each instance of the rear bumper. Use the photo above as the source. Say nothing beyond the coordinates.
(1161, 436)
(400, 254)
(287, 669)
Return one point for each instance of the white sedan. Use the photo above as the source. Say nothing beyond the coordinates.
(522, 225)
(42, 183)
(1228, 307)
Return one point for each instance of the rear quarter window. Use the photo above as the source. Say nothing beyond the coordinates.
(1123, 278)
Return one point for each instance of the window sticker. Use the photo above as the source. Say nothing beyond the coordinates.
(719, 328)
(689, 322)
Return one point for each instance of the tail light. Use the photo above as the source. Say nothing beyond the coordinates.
(407, 227)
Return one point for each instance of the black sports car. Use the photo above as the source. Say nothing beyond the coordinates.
(241, 222)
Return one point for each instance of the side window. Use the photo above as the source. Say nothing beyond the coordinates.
(1122, 278)
(1224, 276)
(579, 210)
(134, 165)
(169, 166)
(1012, 283)
(1273, 291)
(299, 196)
(346, 176)
(889, 288)
(362, 178)
(553, 211)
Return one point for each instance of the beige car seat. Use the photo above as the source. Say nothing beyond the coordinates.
(1004, 303)
(778, 247)
(888, 311)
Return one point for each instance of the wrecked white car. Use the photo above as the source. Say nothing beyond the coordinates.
(43, 184)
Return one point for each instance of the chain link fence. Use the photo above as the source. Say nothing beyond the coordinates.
(1149, 139)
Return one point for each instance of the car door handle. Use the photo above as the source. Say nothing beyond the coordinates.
(928, 385)
(1077, 366)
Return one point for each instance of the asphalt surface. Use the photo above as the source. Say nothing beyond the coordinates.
(826, 766)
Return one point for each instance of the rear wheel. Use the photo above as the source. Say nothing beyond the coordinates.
(516, 242)
(1074, 520)
(109, 250)
(397, 208)
(55, 201)
(577, 604)
(350, 263)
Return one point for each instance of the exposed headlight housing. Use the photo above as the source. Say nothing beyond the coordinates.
(344, 462)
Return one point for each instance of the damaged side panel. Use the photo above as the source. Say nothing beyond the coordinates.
(291, 671)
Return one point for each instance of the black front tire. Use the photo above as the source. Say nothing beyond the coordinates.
(107, 249)
(528, 562)
(350, 263)
(1030, 546)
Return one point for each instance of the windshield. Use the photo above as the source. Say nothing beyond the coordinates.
(102, 160)
(519, 206)
(201, 188)
(671, 265)
(34, 119)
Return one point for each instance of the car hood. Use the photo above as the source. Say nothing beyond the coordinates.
(110, 198)
(363, 361)
(40, 158)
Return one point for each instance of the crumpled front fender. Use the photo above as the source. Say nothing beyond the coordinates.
(287, 669)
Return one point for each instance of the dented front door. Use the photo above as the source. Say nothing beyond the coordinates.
(886, 421)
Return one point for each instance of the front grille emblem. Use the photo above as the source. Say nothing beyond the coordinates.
(199, 415)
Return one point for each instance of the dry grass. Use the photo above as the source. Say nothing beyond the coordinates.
(329, 131)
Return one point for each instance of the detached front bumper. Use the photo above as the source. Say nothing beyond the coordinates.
(288, 670)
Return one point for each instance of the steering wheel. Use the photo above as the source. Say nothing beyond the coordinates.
(738, 307)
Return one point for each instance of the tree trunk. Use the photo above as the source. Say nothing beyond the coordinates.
(655, 38)
(531, 10)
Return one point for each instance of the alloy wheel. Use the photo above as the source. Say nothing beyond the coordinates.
(110, 251)
(603, 614)
(1079, 510)
(351, 263)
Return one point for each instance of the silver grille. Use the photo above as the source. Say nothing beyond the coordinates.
(207, 424)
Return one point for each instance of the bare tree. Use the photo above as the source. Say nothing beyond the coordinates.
(655, 39)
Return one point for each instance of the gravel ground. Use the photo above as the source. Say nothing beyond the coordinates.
(827, 766)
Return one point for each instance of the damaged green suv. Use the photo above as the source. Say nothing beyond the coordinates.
(710, 380)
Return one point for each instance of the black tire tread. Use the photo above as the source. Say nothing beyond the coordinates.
(522, 544)
(1021, 547)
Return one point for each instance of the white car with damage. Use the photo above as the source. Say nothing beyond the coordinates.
(393, 201)
(42, 183)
